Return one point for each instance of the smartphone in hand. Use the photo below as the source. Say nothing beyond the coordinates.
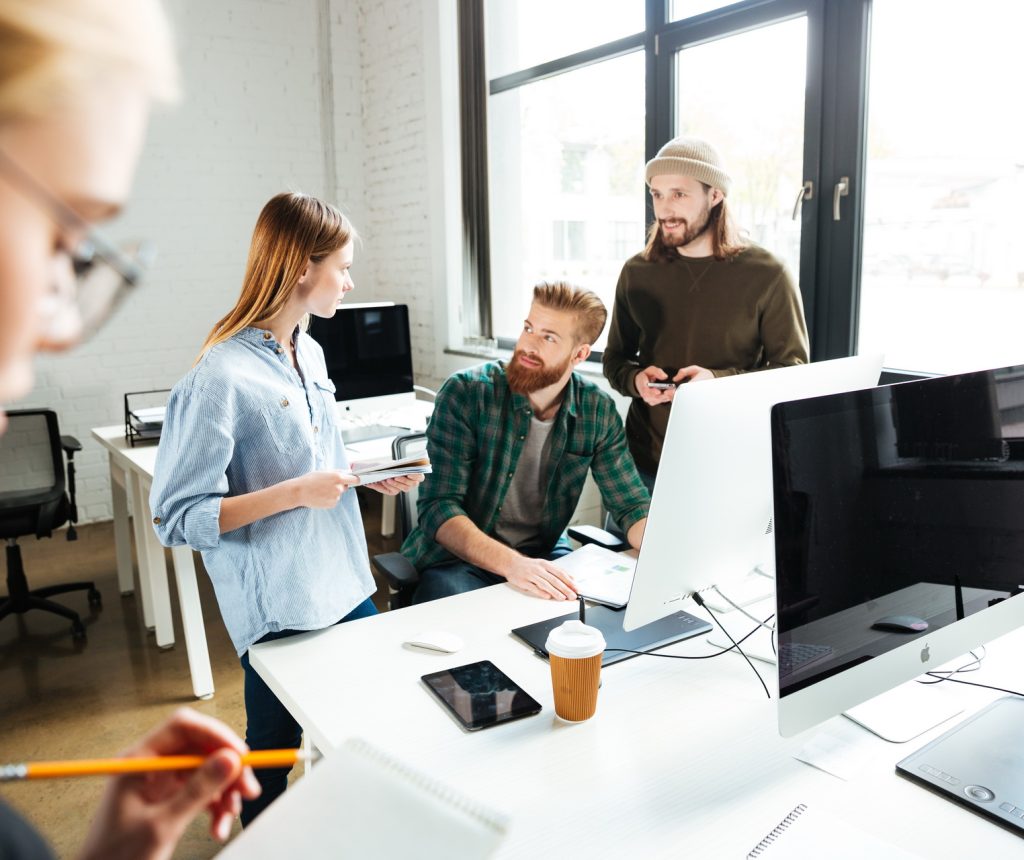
(661, 386)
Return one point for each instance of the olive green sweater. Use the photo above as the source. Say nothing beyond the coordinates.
(730, 316)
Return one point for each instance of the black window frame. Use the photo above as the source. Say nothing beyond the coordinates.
(834, 142)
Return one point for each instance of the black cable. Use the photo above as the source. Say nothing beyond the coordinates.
(718, 653)
(975, 684)
(941, 675)
(700, 602)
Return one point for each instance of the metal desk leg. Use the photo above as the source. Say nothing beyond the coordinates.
(192, 622)
(152, 567)
(122, 533)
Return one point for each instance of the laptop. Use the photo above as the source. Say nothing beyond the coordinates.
(657, 634)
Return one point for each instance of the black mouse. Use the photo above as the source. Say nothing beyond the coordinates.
(901, 624)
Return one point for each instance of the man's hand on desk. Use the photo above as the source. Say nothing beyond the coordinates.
(541, 579)
(394, 486)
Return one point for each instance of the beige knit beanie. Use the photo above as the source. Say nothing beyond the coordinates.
(690, 156)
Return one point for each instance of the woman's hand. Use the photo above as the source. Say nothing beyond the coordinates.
(394, 486)
(142, 816)
(323, 489)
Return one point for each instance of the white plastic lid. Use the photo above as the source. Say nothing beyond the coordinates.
(574, 639)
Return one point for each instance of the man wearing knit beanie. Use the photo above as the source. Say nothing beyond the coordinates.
(697, 302)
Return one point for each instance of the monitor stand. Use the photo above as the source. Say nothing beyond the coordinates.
(907, 711)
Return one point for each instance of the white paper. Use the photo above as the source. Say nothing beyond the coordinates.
(600, 574)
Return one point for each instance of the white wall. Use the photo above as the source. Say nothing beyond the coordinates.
(249, 125)
(349, 99)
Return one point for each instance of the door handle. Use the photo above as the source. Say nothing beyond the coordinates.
(806, 192)
(841, 190)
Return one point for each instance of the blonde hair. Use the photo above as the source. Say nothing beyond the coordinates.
(590, 311)
(52, 51)
(293, 230)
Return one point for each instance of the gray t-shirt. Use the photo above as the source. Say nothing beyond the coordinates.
(519, 518)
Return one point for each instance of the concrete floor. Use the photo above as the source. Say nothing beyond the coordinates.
(64, 701)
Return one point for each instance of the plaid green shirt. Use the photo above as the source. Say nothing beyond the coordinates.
(474, 440)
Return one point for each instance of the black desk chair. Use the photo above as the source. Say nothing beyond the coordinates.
(34, 501)
(399, 573)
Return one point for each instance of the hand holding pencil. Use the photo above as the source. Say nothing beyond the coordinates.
(143, 815)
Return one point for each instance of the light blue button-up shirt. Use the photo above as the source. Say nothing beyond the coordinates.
(242, 420)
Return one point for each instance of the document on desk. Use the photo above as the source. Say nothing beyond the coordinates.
(811, 833)
(372, 471)
(363, 802)
(601, 575)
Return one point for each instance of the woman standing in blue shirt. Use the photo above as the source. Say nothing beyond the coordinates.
(251, 469)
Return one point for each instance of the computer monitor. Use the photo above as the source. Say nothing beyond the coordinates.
(711, 512)
(368, 353)
(898, 501)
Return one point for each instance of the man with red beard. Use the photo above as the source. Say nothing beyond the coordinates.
(697, 302)
(511, 445)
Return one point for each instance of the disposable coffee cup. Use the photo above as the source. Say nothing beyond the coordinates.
(575, 650)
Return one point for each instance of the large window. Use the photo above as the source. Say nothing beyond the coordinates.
(943, 274)
(566, 158)
(873, 144)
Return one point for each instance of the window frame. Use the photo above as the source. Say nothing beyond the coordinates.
(834, 143)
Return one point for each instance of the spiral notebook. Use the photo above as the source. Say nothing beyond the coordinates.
(361, 801)
(810, 834)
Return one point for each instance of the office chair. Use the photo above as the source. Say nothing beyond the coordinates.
(399, 573)
(33, 501)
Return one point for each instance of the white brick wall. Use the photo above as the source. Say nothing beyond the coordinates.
(354, 100)
(250, 125)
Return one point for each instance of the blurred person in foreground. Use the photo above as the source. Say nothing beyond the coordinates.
(77, 78)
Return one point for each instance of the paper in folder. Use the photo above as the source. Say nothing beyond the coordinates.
(601, 575)
(371, 471)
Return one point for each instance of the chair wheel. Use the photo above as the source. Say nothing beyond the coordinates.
(95, 598)
(77, 631)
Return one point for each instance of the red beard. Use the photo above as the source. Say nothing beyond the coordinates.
(526, 380)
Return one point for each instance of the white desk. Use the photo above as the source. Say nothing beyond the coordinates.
(396, 411)
(131, 476)
(682, 757)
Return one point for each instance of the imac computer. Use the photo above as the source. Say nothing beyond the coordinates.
(899, 541)
(711, 512)
(368, 354)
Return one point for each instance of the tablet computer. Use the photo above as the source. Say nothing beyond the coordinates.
(479, 695)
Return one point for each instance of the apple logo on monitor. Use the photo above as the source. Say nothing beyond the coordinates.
(925, 655)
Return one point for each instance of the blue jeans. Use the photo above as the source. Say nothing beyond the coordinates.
(269, 725)
(456, 577)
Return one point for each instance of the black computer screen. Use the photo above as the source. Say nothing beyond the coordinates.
(887, 503)
(367, 350)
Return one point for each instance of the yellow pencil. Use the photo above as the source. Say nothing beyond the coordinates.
(109, 766)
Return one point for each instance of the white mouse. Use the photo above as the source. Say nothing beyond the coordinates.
(436, 640)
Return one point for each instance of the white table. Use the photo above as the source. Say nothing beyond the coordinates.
(682, 757)
(131, 476)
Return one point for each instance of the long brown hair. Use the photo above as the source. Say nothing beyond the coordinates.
(292, 231)
(726, 241)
